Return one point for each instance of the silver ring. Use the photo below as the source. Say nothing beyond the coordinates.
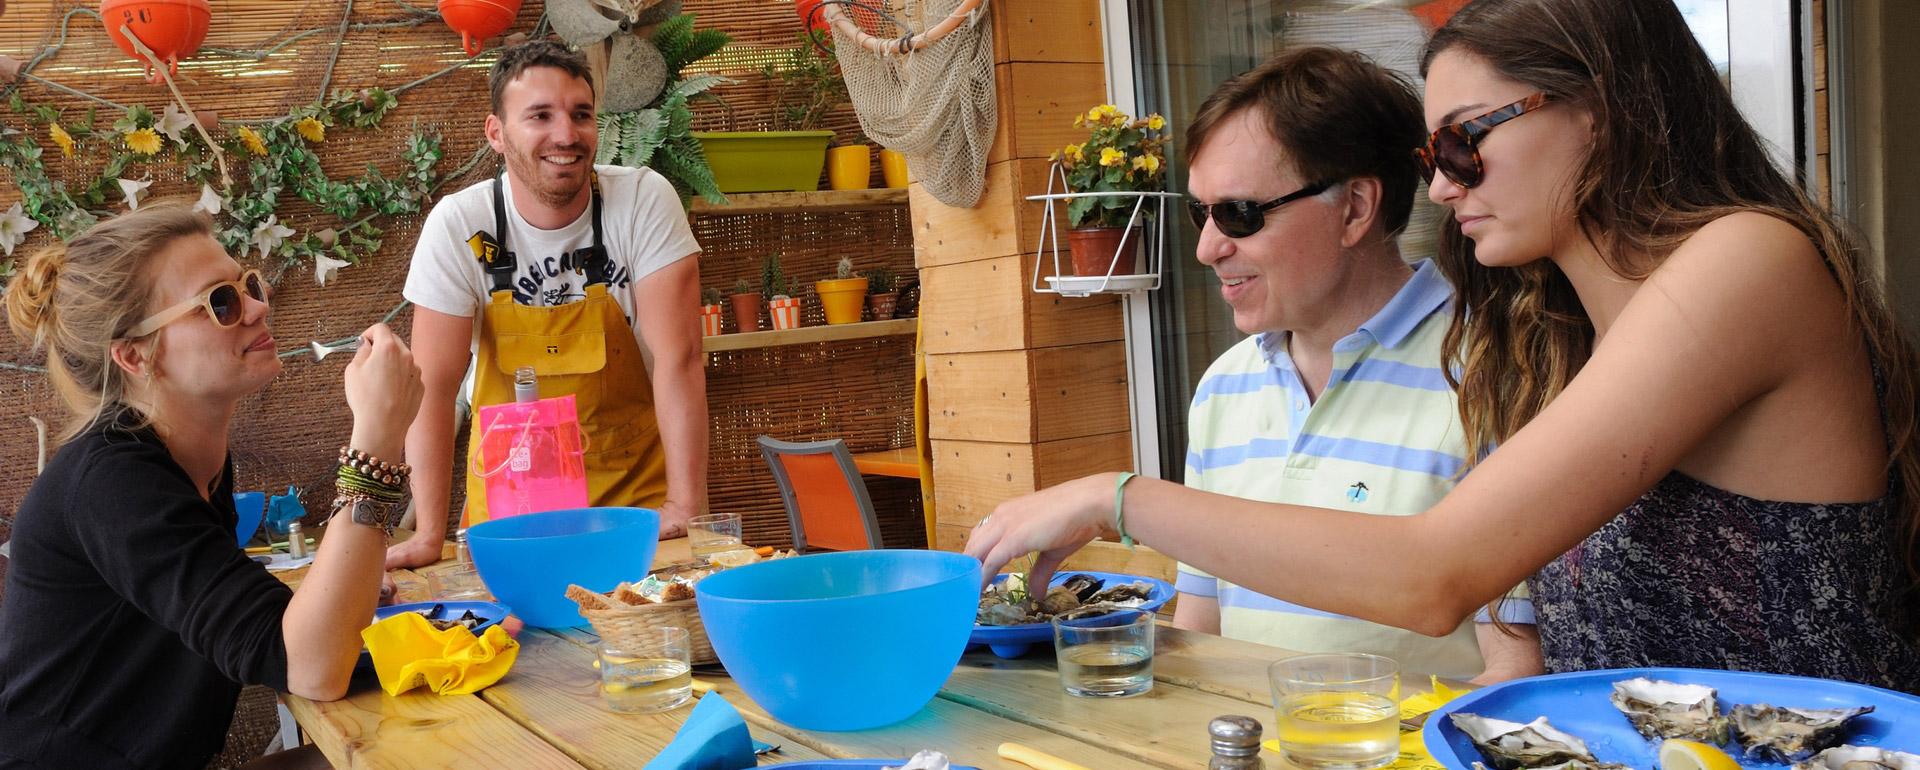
(983, 521)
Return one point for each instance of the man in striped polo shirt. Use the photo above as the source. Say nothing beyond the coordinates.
(1301, 177)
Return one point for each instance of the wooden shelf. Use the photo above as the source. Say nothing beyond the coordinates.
(812, 201)
(805, 334)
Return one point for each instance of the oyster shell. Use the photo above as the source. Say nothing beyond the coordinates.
(1510, 745)
(1124, 594)
(1660, 709)
(1060, 599)
(1860, 758)
(1083, 587)
(1581, 764)
(1790, 734)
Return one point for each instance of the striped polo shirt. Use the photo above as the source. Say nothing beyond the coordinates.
(1384, 438)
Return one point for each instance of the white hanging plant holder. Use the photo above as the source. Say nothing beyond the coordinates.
(1149, 214)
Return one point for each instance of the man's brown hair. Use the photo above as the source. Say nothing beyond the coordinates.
(533, 53)
(1337, 115)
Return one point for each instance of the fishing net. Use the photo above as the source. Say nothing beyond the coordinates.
(920, 75)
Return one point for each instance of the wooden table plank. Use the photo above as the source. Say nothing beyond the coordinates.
(554, 691)
(967, 735)
(1238, 669)
(421, 730)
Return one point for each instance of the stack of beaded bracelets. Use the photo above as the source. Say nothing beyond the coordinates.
(363, 477)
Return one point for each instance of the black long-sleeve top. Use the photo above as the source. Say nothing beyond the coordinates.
(131, 617)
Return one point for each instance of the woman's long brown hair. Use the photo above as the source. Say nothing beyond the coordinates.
(1670, 154)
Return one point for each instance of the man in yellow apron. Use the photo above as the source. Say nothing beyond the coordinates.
(589, 275)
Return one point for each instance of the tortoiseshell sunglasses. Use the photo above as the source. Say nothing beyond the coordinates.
(1454, 149)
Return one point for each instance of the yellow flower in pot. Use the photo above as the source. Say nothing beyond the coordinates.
(1120, 155)
(842, 295)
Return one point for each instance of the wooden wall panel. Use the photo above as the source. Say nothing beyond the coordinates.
(975, 476)
(1047, 31)
(1057, 462)
(980, 397)
(975, 306)
(1053, 320)
(1080, 390)
(1003, 223)
(1038, 101)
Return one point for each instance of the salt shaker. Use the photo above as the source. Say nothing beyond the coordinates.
(296, 541)
(460, 552)
(1236, 743)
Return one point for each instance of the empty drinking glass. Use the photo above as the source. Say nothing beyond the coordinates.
(1108, 656)
(1337, 711)
(650, 670)
(713, 533)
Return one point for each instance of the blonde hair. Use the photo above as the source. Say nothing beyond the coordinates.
(76, 298)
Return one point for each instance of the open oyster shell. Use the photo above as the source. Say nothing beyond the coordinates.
(1534, 745)
(1790, 734)
(1660, 709)
(1860, 758)
(1581, 764)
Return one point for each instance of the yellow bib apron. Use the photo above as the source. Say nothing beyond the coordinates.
(583, 348)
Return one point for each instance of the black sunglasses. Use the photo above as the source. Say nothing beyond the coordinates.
(1454, 149)
(1239, 219)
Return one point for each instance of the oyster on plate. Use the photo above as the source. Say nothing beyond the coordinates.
(1790, 734)
(1535, 745)
(1008, 603)
(1860, 758)
(1660, 709)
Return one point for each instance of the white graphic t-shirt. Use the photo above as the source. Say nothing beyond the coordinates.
(644, 228)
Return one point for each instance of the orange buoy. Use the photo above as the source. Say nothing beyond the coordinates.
(477, 20)
(172, 29)
(815, 20)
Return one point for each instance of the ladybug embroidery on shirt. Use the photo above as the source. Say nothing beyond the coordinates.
(1357, 493)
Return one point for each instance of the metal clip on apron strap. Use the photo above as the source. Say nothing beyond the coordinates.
(599, 267)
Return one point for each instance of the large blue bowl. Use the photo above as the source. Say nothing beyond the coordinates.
(842, 641)
(527, 561)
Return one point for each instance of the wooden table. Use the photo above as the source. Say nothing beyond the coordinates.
(900, 463)
(547, 712)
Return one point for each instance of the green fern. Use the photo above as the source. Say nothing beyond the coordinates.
(660, 136)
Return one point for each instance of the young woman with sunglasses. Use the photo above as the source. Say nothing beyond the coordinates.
(1702, 408)
(132, 617)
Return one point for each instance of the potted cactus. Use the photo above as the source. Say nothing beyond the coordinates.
(711, 312)
(746, 307)
(784, 310)
(882, 293)
(841, 295)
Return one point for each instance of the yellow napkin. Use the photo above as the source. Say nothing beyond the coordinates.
(1413, 747)
(409, 652)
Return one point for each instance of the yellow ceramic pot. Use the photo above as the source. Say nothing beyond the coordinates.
(849, 167)
(893, 166)
(842, 298)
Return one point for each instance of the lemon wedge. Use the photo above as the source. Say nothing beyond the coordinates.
(1677, 754)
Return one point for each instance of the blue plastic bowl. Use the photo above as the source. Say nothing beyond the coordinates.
(842, 641)
(527, 561)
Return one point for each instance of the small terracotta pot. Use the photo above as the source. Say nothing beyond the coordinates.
(881, 305)
(746, 311)
(1096, 249)
(710, 320)
(785, 312)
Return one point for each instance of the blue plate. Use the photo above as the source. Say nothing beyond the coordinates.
(494, 613)
(1580, 704)
(1013, 641)
(854, 764)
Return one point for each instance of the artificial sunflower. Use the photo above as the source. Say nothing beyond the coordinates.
(252, 140)
(143, 140)
(62, 138)
(312, 129)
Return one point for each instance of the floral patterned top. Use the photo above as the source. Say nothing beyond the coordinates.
(1695, 576)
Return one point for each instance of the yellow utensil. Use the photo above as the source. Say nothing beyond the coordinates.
(1035, 758)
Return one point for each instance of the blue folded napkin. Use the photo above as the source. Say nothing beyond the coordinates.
(713, 738)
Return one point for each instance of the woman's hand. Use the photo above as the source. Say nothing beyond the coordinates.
(1055, 522)
(383, 389)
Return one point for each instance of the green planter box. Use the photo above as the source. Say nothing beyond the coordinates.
(765, 161)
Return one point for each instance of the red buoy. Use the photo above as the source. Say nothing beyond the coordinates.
(172, 29)
(477, 20)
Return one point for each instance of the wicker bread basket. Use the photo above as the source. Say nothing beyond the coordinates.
(620, 623)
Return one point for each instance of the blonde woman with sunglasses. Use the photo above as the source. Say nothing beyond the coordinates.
(1703, 410)
(132, 617)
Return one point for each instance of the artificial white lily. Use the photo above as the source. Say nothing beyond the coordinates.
(175, 124)
(325, 267)
(14, 226)
(209, 200)
(269, 234)
(135, 191)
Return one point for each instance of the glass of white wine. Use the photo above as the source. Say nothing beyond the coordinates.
(713, 533)
(1107, 656)
(647, 671)
(1337, 711)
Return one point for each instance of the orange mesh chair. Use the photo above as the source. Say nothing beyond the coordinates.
(827, 502)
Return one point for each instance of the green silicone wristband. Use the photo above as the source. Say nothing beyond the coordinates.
(1119, 512)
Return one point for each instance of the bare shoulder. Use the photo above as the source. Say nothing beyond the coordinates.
(1749, 268)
